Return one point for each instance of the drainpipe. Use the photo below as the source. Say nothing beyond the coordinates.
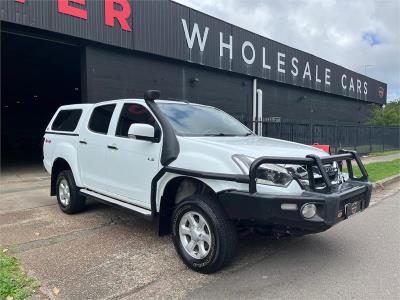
(254, 119)
(260, 111)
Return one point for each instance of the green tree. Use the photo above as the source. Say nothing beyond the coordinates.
(386, 115)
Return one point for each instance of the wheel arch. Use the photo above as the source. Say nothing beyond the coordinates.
(60, 164)
(172, 190)
(64, 155)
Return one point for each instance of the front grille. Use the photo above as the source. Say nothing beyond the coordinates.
(333, 174)
(329, 181)
(300, 173)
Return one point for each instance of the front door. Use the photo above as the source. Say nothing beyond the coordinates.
(132, 164)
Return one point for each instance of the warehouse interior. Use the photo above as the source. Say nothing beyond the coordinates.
(38, 75)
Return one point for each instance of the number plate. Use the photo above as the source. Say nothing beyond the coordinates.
(352, 208)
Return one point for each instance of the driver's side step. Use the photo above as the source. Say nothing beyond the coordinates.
(116, 202)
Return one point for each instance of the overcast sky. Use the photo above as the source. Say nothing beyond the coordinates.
(362, 35)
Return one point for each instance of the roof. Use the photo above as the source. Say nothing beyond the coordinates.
(137, 100)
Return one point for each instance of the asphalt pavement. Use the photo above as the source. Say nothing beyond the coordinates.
(106, 253)
(374, 159)
(357, 259)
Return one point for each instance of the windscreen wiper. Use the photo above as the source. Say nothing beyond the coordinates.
(218, 134)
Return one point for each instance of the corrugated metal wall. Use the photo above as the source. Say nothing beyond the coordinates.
(114, 74)
(152, 23)
(44, 14)
(157, 28)
(117, 74)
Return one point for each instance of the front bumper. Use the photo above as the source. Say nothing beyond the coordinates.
(261, 210)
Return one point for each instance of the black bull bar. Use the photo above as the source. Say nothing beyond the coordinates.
(309, 161)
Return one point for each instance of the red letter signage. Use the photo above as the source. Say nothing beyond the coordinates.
(121, 15)
(65, 8)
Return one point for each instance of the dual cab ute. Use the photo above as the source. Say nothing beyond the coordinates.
(199, 172)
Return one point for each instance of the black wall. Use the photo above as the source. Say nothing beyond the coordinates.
(302, 104)
(113, 73)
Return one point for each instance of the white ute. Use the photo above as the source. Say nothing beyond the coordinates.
(199, 172)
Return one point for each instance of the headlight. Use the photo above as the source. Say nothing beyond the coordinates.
(268, 174)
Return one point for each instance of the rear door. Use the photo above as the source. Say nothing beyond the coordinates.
(92, 148)
(132, 164)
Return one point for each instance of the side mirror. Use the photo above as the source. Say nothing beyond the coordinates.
(143, 132)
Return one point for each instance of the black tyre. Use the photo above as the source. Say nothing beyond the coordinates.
(68, 196)
(203, 235)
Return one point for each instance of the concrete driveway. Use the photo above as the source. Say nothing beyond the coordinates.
(359, 259)
(107, 253)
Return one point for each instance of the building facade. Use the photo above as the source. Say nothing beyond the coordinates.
(68, 51)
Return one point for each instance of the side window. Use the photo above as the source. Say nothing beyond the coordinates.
(67, 120)
(100, 118)
(133, 113)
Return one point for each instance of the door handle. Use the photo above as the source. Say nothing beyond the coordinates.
(112, 147)
(83, 142)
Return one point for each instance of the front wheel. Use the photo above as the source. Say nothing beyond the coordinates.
(203, 235)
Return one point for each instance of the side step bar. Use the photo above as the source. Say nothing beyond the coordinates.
(115, 202)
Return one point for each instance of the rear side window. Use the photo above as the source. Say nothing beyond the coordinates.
(101, 117)
(67, 120)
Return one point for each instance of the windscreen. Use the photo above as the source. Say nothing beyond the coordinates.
(198, 120)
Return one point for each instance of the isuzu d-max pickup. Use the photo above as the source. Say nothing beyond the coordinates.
(199, 172)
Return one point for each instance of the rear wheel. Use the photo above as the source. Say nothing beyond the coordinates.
(203, 235)
(68, 196)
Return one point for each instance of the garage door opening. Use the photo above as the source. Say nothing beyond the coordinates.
(37, 76)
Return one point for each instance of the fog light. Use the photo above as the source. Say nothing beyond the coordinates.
(308, 210)
(288, 206)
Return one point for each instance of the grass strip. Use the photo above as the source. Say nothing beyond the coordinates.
(14, 282)
(380, 170)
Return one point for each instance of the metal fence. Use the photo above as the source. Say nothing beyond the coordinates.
(362, 138)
